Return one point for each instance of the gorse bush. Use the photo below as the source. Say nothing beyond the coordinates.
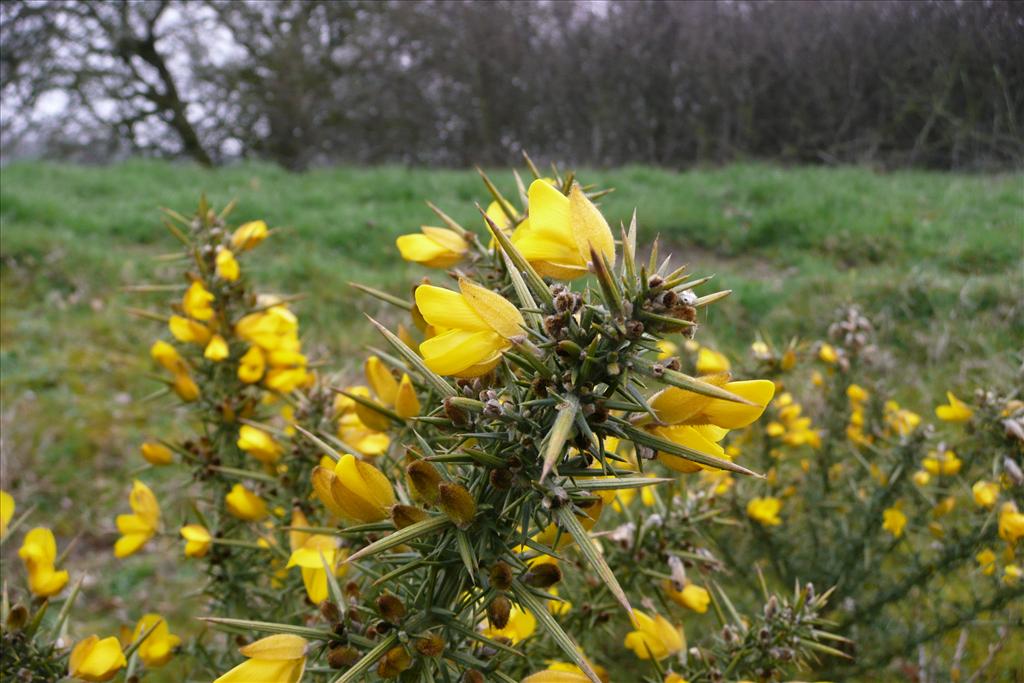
(544, 477)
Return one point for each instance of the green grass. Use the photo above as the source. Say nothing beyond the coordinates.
(935, 260)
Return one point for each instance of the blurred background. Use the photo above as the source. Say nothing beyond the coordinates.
(308, 83)
(813, 155)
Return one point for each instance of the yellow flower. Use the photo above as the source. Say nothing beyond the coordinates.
(251, 365)
(435, 247)
(558, 672)
(676, 406)
(38, 552)
(216, 349)
(259, 444)
(273, 329)
(521, 625)
(711, 362)
(140, 526)
(248, 235)
(275, 659)
(6, 511)
(893, 521)
(692, 597)
(307, 551)
(828, 354)
(227, 265)
(699, 422)
(474, 326)
(158, 647)
(817, 379)
(167, 356)
(197, 540)
(667, 349)
(185, 387)
(1011, 523)
(955, 411)
(857, 394)
(188, 331)
(921, 478)
(407, 404)
(986, 493)
(196, 302)
(986, 561)
(560, 232)
(499, 217)
(1012, 574)
(943, 463)
(96, 660)
(244, 504)
(355, 490)
(902, 421)
(353, 431)
(157, 453)
(765, 511)
(654, 637)
(674, 678)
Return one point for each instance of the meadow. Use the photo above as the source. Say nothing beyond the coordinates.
(933, 259)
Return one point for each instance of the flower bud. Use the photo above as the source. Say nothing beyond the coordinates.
(430, 646)
(423, 479)
(498, 612)
(394, 662)
(454, 413)
(457, 503)
(330, 612)
(543, 575)
(405, 515)
(342, 656)
(17, 618)
(473, 676)
(501, 575)
(501, 479)
(391, 608)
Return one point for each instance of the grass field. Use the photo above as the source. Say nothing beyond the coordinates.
(935, 260)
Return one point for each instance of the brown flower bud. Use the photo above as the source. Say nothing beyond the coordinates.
(454, 413)
(501, 479)
(430, 646)
(391, 608)
(423, 479)
(457, 503)
(17, 618)
(498, 611)
(394, 662)
(473, 676)
(543, 575)
(501, 575)
(330, 611)
(342, 656)
(405, 515)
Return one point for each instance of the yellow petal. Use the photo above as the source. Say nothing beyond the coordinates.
(282, 646)
(217, 349)
(6, 511)
(421, 249)
(265, 671)
(456, 350)
(406, 402)
(380, 379)
(589, 228)
(444, 308)
(323, 485)
(144, 504)
(498, 312)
